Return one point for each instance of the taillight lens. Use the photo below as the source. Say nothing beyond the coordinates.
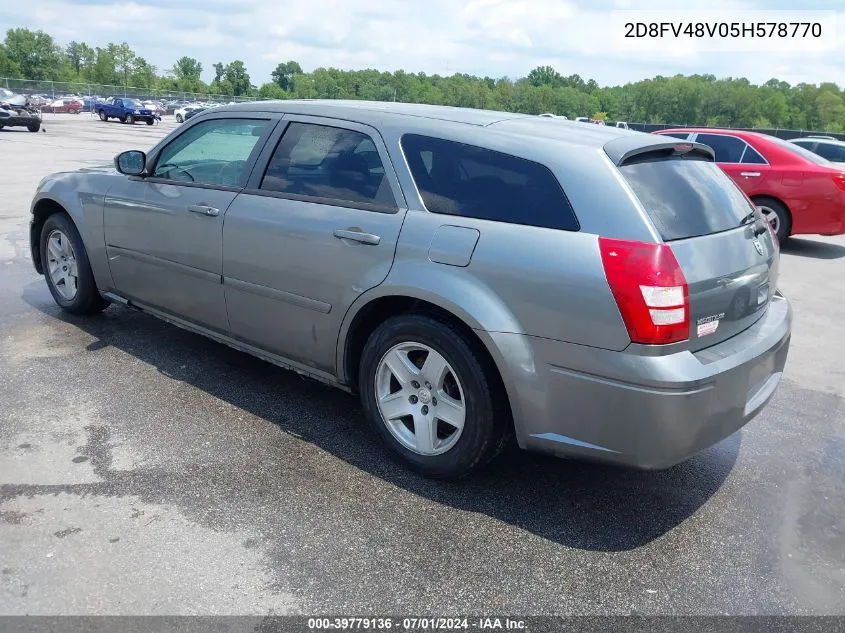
(649, 288)
(839, 179)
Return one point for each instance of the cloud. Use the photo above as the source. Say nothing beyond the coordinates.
(484, 37)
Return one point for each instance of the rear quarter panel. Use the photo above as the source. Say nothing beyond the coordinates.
(521, 279)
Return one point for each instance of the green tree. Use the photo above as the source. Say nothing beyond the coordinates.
(284, 73)
(123, 57)
(272, 90)
(75, 52)
(545, 76)
(103, 70)
(188, 72)
(34, 53)
(8, 66)
(831, 110)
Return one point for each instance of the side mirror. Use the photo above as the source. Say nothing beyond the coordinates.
(131, 163)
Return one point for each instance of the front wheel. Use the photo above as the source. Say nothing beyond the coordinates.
(66, 267)
(130, 119)
(150, 121)
(34, 127)
(432, 398)
(179, 118)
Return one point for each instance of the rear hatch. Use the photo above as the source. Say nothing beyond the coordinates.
(723, 245)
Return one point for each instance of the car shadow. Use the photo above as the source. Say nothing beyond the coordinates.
(580, 505)
(812, 248)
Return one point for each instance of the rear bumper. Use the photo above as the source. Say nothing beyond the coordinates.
(649, 412)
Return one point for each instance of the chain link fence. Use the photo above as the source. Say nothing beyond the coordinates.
(58, 89)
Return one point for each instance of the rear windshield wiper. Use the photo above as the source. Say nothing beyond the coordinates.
(759, 224)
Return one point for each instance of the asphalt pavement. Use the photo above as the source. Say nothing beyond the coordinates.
(146, 470)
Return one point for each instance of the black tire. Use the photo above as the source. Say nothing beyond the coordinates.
(488, 424)
(72, 111)
(34, 127)
(179, 119)
(88, 299)
(150, 121)
(102, 115)
(783, 215)
(130, 119)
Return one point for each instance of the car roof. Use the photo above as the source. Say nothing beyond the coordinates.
(436, 117)
(820, 139)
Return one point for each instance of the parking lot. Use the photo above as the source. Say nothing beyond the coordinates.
(146, 470)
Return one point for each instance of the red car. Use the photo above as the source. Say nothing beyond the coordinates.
(797, 190)
(71, 106)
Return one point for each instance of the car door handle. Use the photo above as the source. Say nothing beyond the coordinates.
(204, 209)
(357, 235)
(750, 174)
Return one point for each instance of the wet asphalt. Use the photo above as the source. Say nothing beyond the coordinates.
(146, 470)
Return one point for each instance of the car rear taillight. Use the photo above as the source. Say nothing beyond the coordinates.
(649, 288)
(839, 179)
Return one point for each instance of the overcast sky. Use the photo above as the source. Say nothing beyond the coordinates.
(483, 37)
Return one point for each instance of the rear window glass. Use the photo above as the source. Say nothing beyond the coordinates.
(465, 180)
(687, 197)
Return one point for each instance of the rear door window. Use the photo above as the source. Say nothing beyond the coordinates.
(831, 152)
(466, 180)
(728, 149)
(686, 197)
(320, 163)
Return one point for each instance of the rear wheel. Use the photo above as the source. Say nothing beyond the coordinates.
(777, 215)
(66, 267)
(431, 397)
(102, 115)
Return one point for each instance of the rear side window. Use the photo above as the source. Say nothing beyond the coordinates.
(728, 149)
(752, 156)
(835, 153)
(687, 197)
(469, 181)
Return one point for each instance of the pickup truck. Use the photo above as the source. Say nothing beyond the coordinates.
(125, 110)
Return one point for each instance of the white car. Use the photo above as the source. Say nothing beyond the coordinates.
(825, 146)
(181, 112)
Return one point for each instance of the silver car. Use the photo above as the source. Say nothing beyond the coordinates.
(825, 146)
(473, 276)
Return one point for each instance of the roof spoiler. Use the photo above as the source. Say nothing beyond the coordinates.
(626, 148)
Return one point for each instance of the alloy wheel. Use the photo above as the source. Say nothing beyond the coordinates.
(61, 265)
(420, 398)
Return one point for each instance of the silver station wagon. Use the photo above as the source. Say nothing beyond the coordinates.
(473, 276)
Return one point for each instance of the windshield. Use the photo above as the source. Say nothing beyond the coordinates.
(132, 103)
(801, 151)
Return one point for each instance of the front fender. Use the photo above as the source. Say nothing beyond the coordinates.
(81, 196)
